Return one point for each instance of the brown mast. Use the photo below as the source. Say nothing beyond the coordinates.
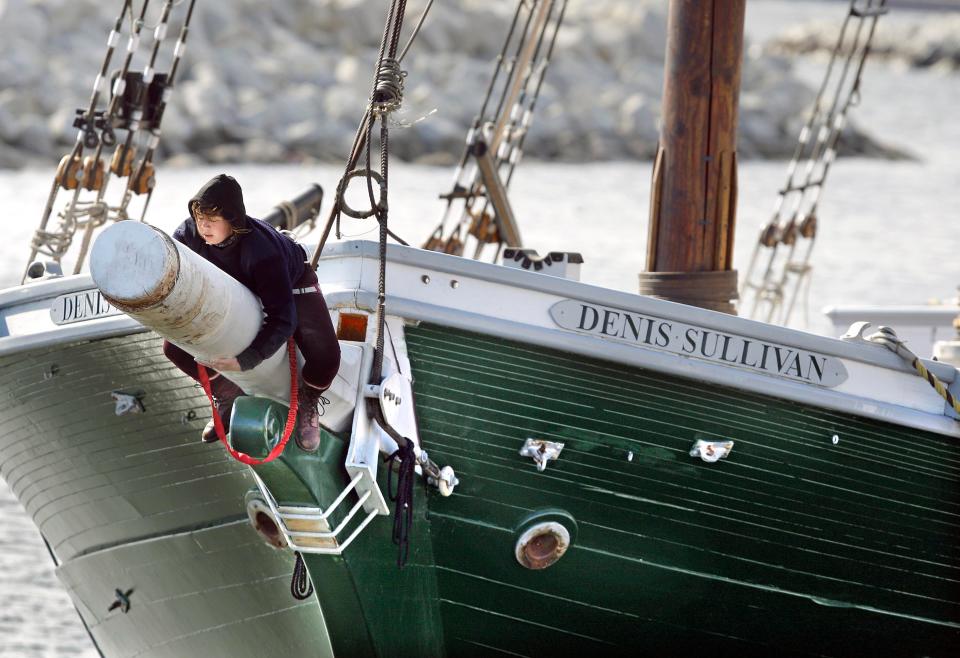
(693, 199)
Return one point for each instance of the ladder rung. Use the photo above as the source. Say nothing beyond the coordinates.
(869, 12)
(458, 192)
(802, 187)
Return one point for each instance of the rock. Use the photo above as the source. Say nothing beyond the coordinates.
(347, 70)
(259, 149)
(34, 136)
(934, 42)
(12, 158)
(290, 79)
(180, 160)
(224, 153)
(637, 116)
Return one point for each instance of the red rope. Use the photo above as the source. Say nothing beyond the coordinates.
(291, 416)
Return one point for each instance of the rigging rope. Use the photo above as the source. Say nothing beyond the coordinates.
(68, 173)
(386, 96)
(405, 459)
(356, 150)
(416, 30)
(145, 165)
(300, 586)
(502, 133)
(136, 103)
(794, 224)
(885, 336)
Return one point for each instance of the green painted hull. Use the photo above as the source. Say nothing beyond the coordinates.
(793, 545)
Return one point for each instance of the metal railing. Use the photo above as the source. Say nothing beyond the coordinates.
(307, 529)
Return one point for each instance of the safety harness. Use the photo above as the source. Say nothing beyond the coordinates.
(291, 415)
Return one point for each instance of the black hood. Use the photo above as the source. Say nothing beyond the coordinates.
(223, 193)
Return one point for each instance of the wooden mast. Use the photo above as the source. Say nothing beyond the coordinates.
(694, 193)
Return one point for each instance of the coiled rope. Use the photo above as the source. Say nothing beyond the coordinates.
(405, 458)
(300, 586)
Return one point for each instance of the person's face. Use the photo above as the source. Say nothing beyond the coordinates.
(214, 229)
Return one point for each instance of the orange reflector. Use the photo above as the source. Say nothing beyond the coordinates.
(352, 326)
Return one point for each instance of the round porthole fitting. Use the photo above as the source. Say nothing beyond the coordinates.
(542, 544)
(263, 521)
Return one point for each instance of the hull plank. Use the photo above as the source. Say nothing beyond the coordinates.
(91, 479)
(137, 502)
(793, 541)
(218, 591)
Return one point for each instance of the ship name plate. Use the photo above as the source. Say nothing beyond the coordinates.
(701, 343)
(81, 305)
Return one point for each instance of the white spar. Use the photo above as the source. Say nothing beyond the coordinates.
(186, 299)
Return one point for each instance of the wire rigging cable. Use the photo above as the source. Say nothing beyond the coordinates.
(386, 96)
(477, 204)
(136, 103)
(780, 263)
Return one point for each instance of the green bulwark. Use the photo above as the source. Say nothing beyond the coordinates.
(820, 534)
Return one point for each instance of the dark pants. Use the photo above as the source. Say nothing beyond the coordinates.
(314, 336)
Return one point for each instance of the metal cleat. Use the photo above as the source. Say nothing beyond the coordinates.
(127, 403)
(711, 451)
(541, 452)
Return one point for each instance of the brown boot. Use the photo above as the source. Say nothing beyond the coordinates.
(224, 393)
(309, 411)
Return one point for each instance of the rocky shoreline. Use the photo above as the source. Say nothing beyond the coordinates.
(917, 43)
(286, 81)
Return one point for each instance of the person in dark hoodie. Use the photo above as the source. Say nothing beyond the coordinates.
(272, 266)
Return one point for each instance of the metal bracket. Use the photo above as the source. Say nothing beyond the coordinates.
(444, 479)
(307, 529)
(121, 600)
(855, 333)
(128, 403)
(393, 393)
(541, 451)
(711, 451)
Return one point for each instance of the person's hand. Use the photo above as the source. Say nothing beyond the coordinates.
(222, 364)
